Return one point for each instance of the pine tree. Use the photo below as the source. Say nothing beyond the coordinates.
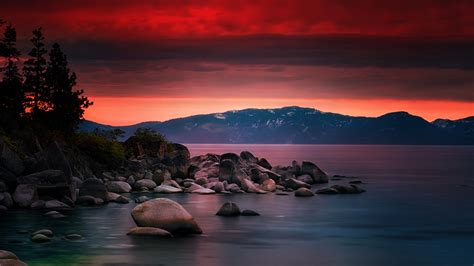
(67, 105)
(34, 71)
(11, 89)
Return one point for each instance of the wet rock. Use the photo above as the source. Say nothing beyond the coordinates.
(250, 187)
(56, 204)
(54, 214)
(25, 195)
(40, 238)
(201, 181)
(45, 232)
(193, 186)
(149, 231)
(131, 180)
(232, 188)
(149, 184)
(8, 258)
(165, 189)
(165, 214)
(89, 201)
(318, 175)
(249, 213)
(114, 197)
(73, 237)
(296, 184)
(303, 192)
(351, 189)
(118, 187)
(327, 191)
(229, 209)
(218, 187)
(142, 199)
(305, 178)
(95, 188)
(204, 191)
(268, 185)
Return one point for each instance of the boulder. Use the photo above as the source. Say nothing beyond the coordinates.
(40, 238)
(248, 157)
(218, 187)
(204, 191)
(249, 213)
(56, 204)
(171, 183)
(229, 209)
(264, 163)
(327, 191)
(165, 189)
(114, 197)
(303, 192)
(305, 178)
(51, 182)
(318, 175)
(150, 184)
(232, 188)
(230, 156)
(9, 259)
(177, 160)
(73, 237)
(250, 187)
(193, 186)
(89, 200)
(165, 214)
(201, 181)
(226, 170)
(25, 195)
(39, 204)
(142, 199)
(268, 185)
(55, 214)
(161, 175)
(149, 231)
(95, 188)
(130, 180)
(296, 184)
(118, 187)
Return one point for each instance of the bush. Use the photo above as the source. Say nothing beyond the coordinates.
(101, 149)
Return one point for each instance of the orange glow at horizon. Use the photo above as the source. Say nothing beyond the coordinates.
(131, 110)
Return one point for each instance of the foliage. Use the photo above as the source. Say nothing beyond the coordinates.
(101, 149)
(112, 134)
(148, 135)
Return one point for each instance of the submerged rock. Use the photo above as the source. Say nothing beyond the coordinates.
(303, 192)
(149, 231)
(56, 204)
(165, 214)
(327, 191)
(229, 209)
(204, 191)
(142, 199)
(40, 238)
(249, 213)
(351, 189)
(165, 189)
(45, 232)
(73, 237)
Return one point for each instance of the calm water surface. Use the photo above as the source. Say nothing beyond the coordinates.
(418, 210)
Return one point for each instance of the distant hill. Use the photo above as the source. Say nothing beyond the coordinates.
(297, 125)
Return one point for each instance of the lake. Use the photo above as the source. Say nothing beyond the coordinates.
(418, 210)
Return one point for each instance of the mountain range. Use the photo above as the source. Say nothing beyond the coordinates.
(298, 125)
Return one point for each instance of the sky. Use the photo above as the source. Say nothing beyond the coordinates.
(157, 60)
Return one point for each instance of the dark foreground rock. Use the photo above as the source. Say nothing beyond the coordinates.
(149, 231)
(229, 209)
(7, 258)
(165, 214)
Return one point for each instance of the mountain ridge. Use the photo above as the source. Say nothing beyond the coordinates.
(303, 125)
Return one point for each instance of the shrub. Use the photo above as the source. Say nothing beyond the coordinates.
(101, 149)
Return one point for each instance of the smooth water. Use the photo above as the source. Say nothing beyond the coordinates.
(418, 210)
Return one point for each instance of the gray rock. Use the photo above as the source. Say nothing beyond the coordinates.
(305, 178)
(142, 199)
(264, 163)
(248, 157)
(56, 204)
(218, 187)
(232, 188)
(5, 255)
(249, 213)
(165, 189)
(204, 191)
(201, 181)
(165, 214)
(268, 185)
(131, 180)
(226, 170)
(40, 238)
(39, 204)
(229, 209)
(114, 197)
(55, 215)
(327, 191)
(45, 232)
(351, 189)
(6, 199)
(296, 184)
(150, 184)
(250, 187)
(149, 231)
(7, 258)
(73, 237)
(193, 186)
(89, 201)
(318, 175)
(25, 195)
(118, 187)
(303, 192)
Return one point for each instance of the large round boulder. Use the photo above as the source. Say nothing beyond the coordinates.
(7, 258)
(165, 214)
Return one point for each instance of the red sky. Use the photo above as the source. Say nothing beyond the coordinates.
(155, 60)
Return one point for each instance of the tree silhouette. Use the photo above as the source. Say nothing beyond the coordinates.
(11, 88)
(34, 71)
(67, 104)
